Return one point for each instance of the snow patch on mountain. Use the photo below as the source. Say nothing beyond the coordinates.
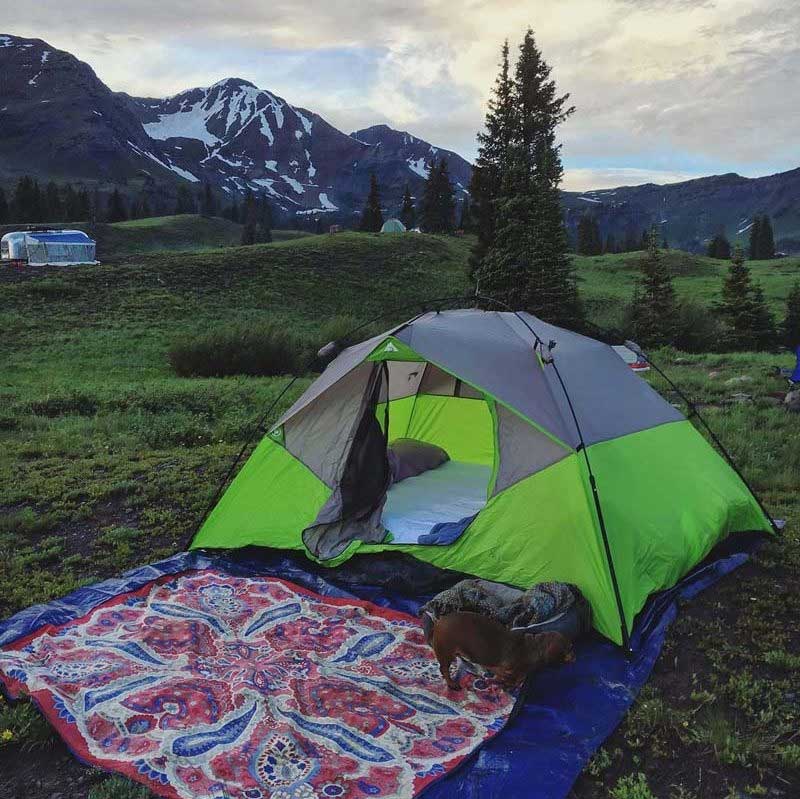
(297, 186)
(32, 81)
(326, 203)
(45, 56)
(5, 41)
(187, 124)
(418, 167)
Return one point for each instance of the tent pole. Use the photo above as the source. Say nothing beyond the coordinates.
(626, 643)
(235, 463)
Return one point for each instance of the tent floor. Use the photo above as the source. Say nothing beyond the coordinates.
(453, 492)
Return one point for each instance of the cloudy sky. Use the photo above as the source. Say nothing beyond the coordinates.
(664, 89)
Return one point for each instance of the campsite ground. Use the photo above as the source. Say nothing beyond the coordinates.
(109, 459)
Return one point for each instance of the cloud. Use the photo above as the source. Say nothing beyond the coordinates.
(670, 87)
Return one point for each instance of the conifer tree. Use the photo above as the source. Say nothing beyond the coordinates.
(144, 207)
(465, 217)
(745, 316)
(766, 239)
(184, 202)
(208, 203)
(52, 210)
(719, 247)
(4, 215)
(408, 214)
(527, 264)
(263, 220)
(589, 239)
(372, 216)
(500, 129)
(116, 211)
(445, 199)
(755, 239)
(790, 329)
(654, 314)
(611, 244)
(249, 219)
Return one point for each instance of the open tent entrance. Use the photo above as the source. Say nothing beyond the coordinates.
(431, 406)
(352, 434)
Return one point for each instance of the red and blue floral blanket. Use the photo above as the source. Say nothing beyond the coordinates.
(204, 684)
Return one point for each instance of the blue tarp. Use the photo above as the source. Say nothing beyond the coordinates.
(564, 716)
(795, 376)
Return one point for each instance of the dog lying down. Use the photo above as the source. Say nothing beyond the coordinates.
(510, 655)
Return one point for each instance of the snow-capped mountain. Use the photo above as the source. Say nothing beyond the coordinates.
(58, 120)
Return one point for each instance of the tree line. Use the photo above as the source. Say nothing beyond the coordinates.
(738, 319)
(761, 245)
(589, 239)
(435, 213)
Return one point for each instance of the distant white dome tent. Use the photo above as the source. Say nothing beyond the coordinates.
(393, 226)
(48, 247)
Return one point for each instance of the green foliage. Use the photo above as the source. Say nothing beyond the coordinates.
(762, 239)
(117, 211)
(22, 725)
(408, 213)
(590, 241)
(372, 217)
(437, 208)
(719, 247)
(654, 312)
(747, 321)
(238, 350)
(632, 786)
(521, 258)
(790, 329)
(118, 788)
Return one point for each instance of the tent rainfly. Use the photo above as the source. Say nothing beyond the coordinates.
(563, 465)
(393, 226)
(45, 247)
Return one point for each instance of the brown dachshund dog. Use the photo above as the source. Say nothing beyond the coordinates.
(510, 655)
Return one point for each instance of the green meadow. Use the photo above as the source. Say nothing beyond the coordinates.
(109, 459)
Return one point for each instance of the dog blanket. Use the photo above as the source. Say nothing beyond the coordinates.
(511, 607)
(209, 684)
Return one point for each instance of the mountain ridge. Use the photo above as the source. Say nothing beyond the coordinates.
(59, 121)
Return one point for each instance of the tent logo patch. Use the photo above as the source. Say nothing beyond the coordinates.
(390, 347)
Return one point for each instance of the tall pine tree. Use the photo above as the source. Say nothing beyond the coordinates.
(790, 329)
(755, 239)
(766, 239)
(408, 214)
(249, 219)
(745, 316)
(494, 141)
(4, 215)
(263, 220)
(437, 209)
(527, 263)
(654, 313)
(372, 216)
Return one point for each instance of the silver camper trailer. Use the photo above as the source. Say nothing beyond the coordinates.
(48, 247)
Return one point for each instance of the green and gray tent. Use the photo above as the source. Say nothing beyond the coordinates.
(514, 503)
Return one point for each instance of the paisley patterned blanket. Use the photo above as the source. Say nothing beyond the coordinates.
(210, 685)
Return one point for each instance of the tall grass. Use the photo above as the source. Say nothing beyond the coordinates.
(257, 351)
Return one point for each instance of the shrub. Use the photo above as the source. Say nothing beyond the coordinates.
(698, 328)
(118, 788)
(262, 351)
(633, 786)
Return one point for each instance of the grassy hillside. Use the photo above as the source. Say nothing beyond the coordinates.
(108, 460)
(607, 281)
(181, 233)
